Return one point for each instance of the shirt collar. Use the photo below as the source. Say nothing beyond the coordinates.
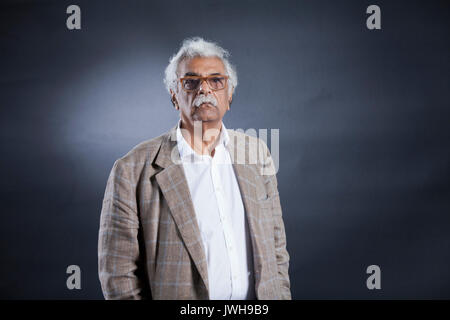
(186, 150)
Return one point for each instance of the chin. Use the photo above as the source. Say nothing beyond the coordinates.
(205, 119)
(205, 115)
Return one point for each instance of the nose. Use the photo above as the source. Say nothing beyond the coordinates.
(204, 87)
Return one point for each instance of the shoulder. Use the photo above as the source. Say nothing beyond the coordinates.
(142, 154)
(247, 138)
(254, 150)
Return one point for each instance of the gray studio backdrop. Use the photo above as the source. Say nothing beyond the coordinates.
(363, 118)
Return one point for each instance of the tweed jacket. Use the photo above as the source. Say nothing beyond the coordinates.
(149, 244)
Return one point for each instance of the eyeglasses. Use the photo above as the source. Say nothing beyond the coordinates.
(192, 83)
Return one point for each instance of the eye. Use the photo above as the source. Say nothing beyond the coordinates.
(191, 83)
(217, 79)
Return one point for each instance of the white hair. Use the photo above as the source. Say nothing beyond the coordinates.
(198, 47)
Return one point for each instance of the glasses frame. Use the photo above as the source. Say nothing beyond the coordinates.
(203, 79)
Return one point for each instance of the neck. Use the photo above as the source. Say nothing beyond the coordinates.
(202, 136)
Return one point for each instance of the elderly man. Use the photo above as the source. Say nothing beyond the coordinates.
(190, 214)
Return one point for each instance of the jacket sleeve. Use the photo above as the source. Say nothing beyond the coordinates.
(268, 171)
(118, 245)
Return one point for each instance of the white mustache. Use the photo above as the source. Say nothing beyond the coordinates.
(205, 99)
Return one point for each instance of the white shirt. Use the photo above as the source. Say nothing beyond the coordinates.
(221, 218)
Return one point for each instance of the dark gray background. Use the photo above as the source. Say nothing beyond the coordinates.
(363, 118)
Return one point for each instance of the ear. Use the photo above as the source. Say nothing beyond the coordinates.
(173, 98)
(230, 99)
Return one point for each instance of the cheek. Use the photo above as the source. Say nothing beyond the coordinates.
(223, 100)
(186, 99)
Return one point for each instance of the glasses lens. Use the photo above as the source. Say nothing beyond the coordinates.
(216, 83)
(191, 84)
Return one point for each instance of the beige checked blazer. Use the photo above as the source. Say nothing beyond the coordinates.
(149, 241)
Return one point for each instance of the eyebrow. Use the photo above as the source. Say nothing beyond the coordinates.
(196, 74)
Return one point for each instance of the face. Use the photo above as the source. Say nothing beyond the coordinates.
(206, 112)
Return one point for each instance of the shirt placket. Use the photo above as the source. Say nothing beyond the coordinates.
(225, 221)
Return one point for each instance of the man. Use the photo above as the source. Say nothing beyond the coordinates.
(190, 214)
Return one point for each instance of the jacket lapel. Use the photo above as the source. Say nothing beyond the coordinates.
(173, 184)
(246, 177)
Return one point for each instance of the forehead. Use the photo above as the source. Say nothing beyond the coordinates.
(201, 66)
